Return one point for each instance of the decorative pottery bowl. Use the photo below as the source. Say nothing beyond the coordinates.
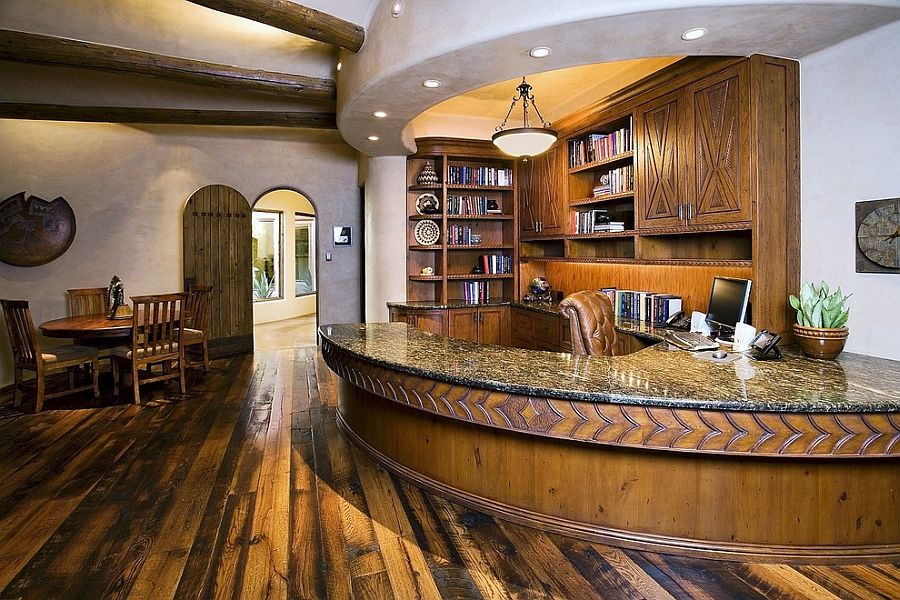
(817, 342)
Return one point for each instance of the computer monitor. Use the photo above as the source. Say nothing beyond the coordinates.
(728, 301)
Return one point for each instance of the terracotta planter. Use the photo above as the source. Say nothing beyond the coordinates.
(818, 342)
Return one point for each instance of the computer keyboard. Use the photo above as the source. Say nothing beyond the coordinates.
(691, 341)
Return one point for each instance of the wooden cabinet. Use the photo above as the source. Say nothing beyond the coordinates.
(661, 161)
(539, 331)
(433, 320)
(719, 170)
(485, 324)
(542, 193)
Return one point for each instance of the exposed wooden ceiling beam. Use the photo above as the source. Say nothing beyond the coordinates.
(295, 18)
(48, 50)
(166, 116)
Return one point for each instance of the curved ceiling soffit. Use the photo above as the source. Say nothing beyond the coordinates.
(389, 76)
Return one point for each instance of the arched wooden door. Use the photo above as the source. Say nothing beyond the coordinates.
(217, 230)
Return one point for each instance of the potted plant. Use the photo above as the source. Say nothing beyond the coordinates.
(821, 318)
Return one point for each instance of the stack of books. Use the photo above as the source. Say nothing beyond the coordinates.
(495, 264)
(597, 220)
(617, 181)
(459, 235)
(649, 307)
(467, 205)
(485, 176)
(476, 292)
(599, 146)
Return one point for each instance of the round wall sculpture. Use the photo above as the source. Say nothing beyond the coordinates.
(34, 231)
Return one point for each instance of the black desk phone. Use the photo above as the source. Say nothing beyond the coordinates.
(679, 321)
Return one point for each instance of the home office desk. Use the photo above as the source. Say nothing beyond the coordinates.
(789, 460)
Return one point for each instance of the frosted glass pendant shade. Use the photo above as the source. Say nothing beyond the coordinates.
(524, 141)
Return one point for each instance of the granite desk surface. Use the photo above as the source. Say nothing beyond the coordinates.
(659, 375)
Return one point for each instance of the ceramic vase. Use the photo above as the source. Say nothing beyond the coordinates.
(821, 343)
(427, 176)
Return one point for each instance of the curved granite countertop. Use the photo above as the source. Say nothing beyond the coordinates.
(656, 376)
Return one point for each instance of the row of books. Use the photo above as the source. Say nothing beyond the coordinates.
(495, 264)
(617, 181)
(476, 292)
(459, 234)
(490, 176)
(597, 220)
(650, 307)
(599, 146)
(472, 205)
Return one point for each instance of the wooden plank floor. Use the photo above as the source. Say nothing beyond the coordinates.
(245, 488)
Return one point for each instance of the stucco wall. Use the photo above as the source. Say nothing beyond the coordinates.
(287, 202)
(128, 185)
(849, 96)
(385, 215)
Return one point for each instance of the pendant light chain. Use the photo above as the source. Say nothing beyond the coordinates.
(524, 94)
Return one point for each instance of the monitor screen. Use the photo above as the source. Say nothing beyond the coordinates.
(728, 301)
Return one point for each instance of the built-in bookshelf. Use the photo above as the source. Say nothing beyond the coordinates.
(474, 260)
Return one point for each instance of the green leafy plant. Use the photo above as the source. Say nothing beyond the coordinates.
(262, 287)
(816, 307)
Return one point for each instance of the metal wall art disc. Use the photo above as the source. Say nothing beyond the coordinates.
(34, 231)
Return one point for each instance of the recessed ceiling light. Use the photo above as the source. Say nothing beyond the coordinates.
(380, 114)
(539, 52)
(396, 9)
(373, 138)
(431, 83)
(694, 34)
(339, 65)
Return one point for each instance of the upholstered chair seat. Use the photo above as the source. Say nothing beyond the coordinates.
(591, 321)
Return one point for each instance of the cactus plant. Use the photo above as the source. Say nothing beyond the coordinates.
(816, 307)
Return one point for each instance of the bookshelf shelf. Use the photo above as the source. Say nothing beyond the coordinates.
(598, 164)
(418, 217)
(425, 188)
(690, 262)
(489, 217)
(420, 248)
(425, 278)
(473, 277)
(601, 235)
(471, 247)
(600, 199)
(483, 188)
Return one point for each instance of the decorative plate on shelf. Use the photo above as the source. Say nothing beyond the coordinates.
(427, 232)
(428, 204)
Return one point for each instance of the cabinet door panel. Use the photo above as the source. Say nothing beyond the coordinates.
(494, 326)
(433, 321)
(541, 193)
(528, 198)
(660, 161)
(463, 323)
(720, 181)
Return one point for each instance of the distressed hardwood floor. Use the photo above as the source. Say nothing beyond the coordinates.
(245, 488)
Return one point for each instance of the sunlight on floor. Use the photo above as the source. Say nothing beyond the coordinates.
(297, 332)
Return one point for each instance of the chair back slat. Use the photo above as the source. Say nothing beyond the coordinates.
(198, 306)
(25, 343)
(87, 301)
(157, 324)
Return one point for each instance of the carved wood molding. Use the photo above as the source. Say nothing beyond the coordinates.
(167, 116)
(688, 262)
(295, 18)
(712, 227)
(49, 50)
(771, 434)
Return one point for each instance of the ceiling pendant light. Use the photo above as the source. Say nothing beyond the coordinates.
(525, 140)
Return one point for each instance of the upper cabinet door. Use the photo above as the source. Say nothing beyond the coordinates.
(660, 162)
(541, 194)
(720, 169)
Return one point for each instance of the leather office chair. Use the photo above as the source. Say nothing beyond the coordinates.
(27, 354)
(155, 339)
(87, 301)
(591, 321)
(198, 333)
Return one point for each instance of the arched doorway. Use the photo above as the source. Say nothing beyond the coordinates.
(216, 252)
(283, 263)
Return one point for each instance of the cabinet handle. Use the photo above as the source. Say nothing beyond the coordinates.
(680, 212)
(481, 318)
(690, 212)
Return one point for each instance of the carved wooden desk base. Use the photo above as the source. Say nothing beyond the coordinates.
(810, 488)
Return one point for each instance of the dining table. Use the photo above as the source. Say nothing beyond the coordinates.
(92, 327)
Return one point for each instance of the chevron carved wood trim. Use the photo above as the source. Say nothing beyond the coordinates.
(765, 434)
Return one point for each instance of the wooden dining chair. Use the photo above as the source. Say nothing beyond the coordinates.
(87, 301)
(197, 334)
(28, 355)
(155, 340)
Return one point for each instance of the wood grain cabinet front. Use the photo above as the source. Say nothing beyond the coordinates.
(542, 194)
(433, 320)
(486, 324)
